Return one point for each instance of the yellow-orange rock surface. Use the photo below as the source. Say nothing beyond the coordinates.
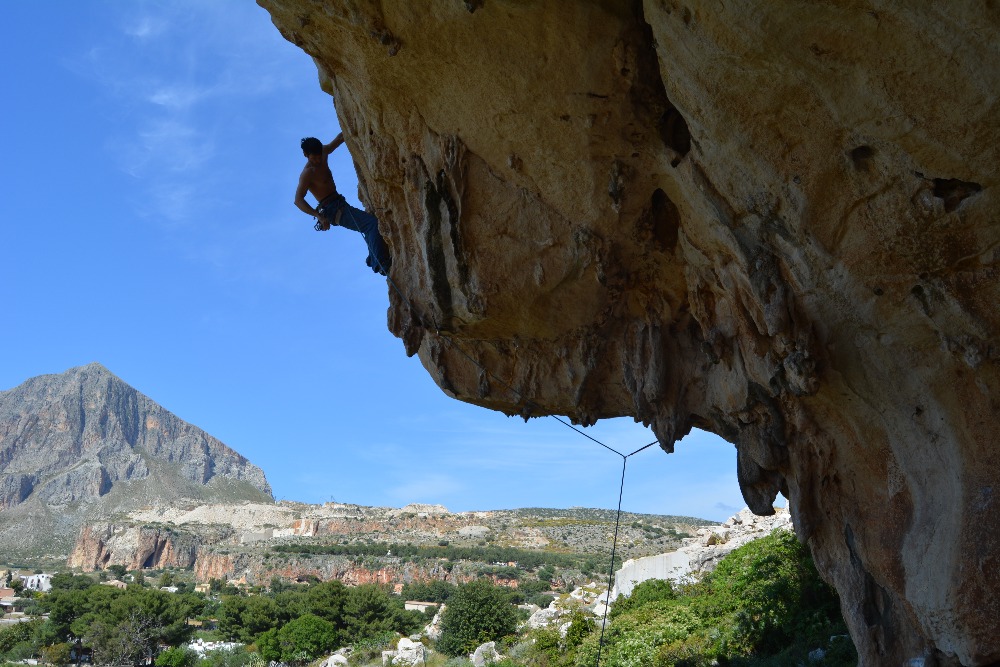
(774, 221)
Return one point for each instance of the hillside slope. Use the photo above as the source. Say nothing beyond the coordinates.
(357, 544)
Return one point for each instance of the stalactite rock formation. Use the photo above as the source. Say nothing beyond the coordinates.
(773, 221)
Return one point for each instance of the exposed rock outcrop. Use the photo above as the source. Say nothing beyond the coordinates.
(773, 221)
(235, 542)
(137, 547)
(701, 554)
(83, 445)
(408, 653)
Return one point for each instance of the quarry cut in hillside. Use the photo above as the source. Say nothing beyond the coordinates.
(355, 544)
(773, 221)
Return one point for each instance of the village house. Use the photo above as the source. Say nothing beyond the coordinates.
(9, 602)
(37, 582)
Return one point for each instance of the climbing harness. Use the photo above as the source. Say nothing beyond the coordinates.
(333, 204)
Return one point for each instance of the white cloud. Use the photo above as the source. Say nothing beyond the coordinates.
(166, 145)
(178, 97)
(145, 27)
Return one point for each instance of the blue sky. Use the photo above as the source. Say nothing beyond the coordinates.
(149, 161)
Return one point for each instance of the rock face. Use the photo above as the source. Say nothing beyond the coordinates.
(102, 544)
(234, 541)
(772, 221)
(83, 444)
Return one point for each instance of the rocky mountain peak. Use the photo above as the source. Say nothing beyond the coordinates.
(74, 444)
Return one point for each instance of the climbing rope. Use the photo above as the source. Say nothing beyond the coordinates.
(528, 403)
(614, 542)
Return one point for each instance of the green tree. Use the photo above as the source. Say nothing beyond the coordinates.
(56, 654)
(63, 606)
(299, 641)
(122, 641)
(545, 649)
(292, 603)
(429, 591)
(97, 605)
(478, 612)
(18, 635)
(327, 600)
(68, 581)
(243, 618)
(120, 626)
(369, 611)
(180, 607)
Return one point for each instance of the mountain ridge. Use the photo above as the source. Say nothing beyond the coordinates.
(358, 543)
(84, 444)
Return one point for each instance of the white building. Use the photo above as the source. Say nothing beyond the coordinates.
(37, 582)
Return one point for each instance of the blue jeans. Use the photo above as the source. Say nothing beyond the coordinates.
(360, 221)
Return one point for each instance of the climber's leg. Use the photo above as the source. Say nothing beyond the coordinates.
(367, 225)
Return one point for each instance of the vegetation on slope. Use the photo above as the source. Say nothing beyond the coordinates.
(763, 606)
(523, 559)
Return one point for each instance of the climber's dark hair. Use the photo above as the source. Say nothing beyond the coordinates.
(312, 146)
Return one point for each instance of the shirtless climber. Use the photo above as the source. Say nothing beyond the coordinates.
(333, 209)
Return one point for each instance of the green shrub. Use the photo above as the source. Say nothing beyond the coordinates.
(371, 648)
(644, 593)
(541, 599)
(56, 654)
(478, 612)
(764, 605)
(234, 657)
(19, 634)
(301, 640)
(177, 657)
(633, 639)
(769, 593)
(581, 625)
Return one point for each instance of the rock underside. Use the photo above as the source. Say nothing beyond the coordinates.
(773, 221)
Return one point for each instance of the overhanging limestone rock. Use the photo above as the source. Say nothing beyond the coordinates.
(775, 222)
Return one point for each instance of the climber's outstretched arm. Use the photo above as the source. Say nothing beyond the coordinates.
(332, 146)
